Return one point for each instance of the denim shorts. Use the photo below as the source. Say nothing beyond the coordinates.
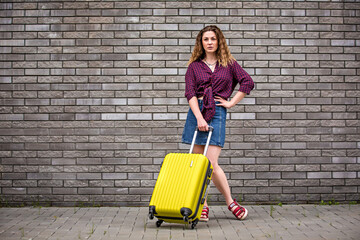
(218, 122)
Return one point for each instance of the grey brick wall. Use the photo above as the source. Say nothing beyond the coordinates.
(92, 98)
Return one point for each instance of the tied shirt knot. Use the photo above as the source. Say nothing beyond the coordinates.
(208, 109)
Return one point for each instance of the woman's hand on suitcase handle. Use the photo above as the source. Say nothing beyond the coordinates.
(202, 125)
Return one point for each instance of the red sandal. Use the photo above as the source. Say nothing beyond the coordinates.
(237, 210)
(204, 214)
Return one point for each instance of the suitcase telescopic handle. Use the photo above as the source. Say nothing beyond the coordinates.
(211, 129)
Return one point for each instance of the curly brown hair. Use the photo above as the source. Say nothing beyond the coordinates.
(222, 53)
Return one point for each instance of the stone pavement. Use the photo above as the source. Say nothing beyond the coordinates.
(263, 222)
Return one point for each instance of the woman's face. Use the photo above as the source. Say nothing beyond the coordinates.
(209, 42)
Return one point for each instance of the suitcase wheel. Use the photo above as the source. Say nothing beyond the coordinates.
(193, 225)
(159, 222)
(151, 212)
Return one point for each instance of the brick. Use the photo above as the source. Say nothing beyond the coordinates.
(139, 116)
(295, 190)
(349, 181)
(320, 190)
(113, 116)
(242, 176)
(153, 34)
(268, 175)
(39, 176)
(139, 56)
(270, 190)
(114, 176)
(319, 175)
(217, 12)
(319, 116)
(267, 12)
(12, 43)
(344, 160)
(269, 27)
(344, 174)
(306, 182)
(165, 71)
(268, 131)
(15, 176)
(90, 191)
(152, 5)
(165, 116)
(139, 12)
(165, 12)
(37, 28)
(113, 12)
(344, 189)
(14, 191)
(142, 176)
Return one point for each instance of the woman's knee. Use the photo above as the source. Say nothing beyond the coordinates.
(198, 149)
(213, 156)
(216, 168)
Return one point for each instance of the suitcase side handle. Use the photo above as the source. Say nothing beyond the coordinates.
(211, 129)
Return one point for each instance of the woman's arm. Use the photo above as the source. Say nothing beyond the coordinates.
(229, 104)
(194, 105)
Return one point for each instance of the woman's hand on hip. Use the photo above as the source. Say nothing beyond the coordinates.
(202, 125)
(224, 103)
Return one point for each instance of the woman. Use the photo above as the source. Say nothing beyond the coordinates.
(211, 78)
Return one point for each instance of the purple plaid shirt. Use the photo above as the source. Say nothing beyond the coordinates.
(201, 81)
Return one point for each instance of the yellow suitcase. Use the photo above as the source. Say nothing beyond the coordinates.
(181, 188)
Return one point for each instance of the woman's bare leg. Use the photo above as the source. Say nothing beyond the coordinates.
(218, 177)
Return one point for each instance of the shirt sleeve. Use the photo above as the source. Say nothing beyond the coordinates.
(243, 78)
(190, 83)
